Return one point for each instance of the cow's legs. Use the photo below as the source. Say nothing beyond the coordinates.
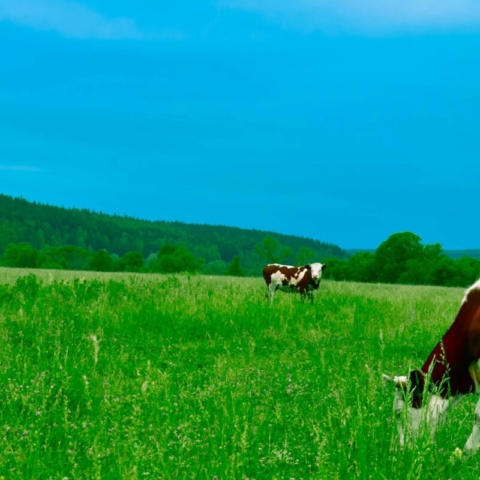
(270, 292)
(438, 409)
(474, 438)
(269, 296)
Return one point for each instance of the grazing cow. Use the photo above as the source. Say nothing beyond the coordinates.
(450, 372)
(304, 280)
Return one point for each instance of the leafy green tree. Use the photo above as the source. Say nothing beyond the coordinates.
(468, 271)
(48, 258)
(151, 262)
(217, 267)
(173, 259)
(305, 255)
(462, 272)
(392, 255)
(68, 257)
(360, 267)
(100, 261)
(131, 262)
(21, 255)
(337, 269)
(271, 250)
(235, 268)
(73, 257)
(420, 270)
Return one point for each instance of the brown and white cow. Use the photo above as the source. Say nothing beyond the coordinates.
(304, 280)
(452, 371)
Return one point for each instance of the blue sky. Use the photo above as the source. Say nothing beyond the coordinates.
(338, 120)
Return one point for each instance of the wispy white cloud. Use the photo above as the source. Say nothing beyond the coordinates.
(373, 16)
(74, 20)
(19, 168)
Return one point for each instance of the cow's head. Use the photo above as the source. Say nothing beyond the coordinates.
(408, 403)
(316, 270)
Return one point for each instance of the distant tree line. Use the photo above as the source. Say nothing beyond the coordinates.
(403, 259)
(47, 227)
(400, 259)
(43, 236)
(168, 259)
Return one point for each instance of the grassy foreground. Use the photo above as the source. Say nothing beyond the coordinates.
(176, 377)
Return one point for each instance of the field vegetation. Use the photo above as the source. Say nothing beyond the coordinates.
(109, 376)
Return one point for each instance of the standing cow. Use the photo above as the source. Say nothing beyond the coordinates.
(304, 280)
(451, 372)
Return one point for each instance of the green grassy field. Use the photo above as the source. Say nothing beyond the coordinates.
(129, 376)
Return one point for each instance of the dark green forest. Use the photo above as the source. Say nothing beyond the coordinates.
(34, 235)
(48, 236)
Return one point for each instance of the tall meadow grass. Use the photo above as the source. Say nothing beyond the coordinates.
(191, 377)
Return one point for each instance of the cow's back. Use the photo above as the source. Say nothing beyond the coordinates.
(269, 270)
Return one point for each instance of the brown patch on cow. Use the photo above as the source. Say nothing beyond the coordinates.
(459, 348)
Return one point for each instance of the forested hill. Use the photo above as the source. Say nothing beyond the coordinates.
(472, 253)
(42, 225)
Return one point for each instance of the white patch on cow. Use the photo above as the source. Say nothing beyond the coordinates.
(475, 286)
(277, 278)
(297, 278)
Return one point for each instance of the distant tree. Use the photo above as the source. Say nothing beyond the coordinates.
(21, 255)
(48, 258)
(100, 261)
(131, 262)
(392, 255)
(420, 270)
(73, 257)
(305, 255)
(468, 271)
(271, 251)
(173, 259)
(455, 273)
(209, 253)
(337, 269)
(361, 267)
(217, 267)
(234, 268)
(151, 262)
